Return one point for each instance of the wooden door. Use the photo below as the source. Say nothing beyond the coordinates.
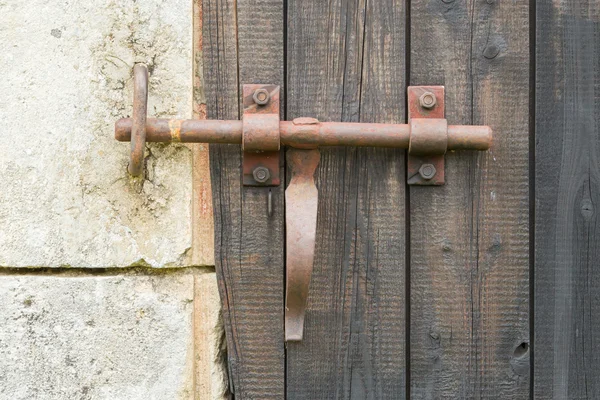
(417, 292)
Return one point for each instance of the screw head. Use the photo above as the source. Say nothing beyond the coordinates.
(261, 96)
(427, 171)
(261, 174)
(427, 100)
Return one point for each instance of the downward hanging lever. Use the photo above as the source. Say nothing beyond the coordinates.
(301, 200)
(427, 137)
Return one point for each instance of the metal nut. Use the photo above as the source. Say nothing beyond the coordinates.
(261, 174)
(427, 171)
(427, 100)
(261, 96)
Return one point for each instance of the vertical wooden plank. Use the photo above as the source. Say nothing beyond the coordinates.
(210, 381)
(243, 43)
(203, 244)
(346, 63)
(567, 187)
(469, 266)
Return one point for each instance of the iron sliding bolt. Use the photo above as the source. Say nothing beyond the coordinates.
(427, 136)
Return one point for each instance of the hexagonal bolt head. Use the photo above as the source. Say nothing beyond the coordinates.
(427, 171)
(427, 100)
(261, 96)
(261, 174)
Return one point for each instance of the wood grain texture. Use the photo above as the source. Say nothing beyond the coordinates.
(469, 271)
(248, 242)
(346, 63)
(567, 187)
(203, 230)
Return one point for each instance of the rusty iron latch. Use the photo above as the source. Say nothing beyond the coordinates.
(427, 136)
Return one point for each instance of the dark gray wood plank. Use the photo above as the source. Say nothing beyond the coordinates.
(346, 63)
(469, 270)
(243, 43)
(567, 193)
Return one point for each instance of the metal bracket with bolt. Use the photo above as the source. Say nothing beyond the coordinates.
(260, 135)
(427, 137)
(431, 136)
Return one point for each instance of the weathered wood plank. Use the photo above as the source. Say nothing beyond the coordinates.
(567, 187)
(469, 270)
(203, 233)
(346, 63)
(248, 243)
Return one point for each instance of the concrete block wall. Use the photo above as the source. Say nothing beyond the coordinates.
(107, 291)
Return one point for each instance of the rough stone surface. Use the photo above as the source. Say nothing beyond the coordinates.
(101, 337)
(67, 201)
(211, 351)
(66, 198)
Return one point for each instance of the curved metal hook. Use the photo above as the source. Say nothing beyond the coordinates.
(138, 129)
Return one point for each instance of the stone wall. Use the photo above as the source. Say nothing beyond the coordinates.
(102, 295)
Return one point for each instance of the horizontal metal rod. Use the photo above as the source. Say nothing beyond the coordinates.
(460, 137)
(183, 130)
(344, 134)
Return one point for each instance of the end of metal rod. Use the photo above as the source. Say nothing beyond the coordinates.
(123, 129)
(469, 137)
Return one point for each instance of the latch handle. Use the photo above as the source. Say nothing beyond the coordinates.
(301, 201)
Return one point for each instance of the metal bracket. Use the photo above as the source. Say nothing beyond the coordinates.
(428, 135)
(260, 135)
